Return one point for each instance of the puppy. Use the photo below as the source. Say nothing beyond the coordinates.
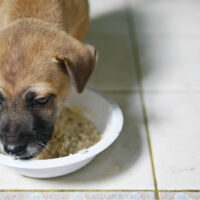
(41, 56)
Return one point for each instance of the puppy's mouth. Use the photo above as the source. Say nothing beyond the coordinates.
(33, 150)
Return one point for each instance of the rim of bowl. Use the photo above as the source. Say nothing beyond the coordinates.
(111, 133)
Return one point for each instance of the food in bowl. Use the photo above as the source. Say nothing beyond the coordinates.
(73, 132)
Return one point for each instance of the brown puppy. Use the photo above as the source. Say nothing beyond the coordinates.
(40, 56)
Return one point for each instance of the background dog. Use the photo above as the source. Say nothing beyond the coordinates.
(41, 55)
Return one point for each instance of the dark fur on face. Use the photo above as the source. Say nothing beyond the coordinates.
(26, 124)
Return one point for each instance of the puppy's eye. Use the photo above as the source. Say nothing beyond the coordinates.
(43, 100)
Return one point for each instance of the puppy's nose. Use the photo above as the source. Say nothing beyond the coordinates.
(14, 149)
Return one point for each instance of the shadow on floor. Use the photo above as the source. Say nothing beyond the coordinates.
(114, 60)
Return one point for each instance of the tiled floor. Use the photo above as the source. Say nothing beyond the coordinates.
(149, 62)
(78, 196)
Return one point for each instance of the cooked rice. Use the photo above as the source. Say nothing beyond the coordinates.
(73, 132)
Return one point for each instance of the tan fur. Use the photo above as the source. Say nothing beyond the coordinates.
(68, 15)
(34, 35)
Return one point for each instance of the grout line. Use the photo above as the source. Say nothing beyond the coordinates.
(120, 91)
(172, 91)
(173, 36)
(185, 190)
(76, 190)
(152, 91)
(150, 34)
(135, 49)
(150, 147)
(64, 190)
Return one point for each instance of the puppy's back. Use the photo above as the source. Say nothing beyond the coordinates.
(68, 15)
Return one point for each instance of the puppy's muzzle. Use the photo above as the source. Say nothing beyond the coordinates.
(15, 149)
(15, 144)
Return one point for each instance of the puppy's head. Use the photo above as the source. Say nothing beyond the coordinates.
(38, 64)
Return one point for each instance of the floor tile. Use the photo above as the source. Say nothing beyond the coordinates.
(125, 165)
(115, 69)
(109, 33)
(164, 17)
(78, 196)
(174, 129)
(180, 195)
(109, 16)
(170, 63)
(104, 7)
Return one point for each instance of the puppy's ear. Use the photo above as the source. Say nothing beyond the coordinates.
(78, 63)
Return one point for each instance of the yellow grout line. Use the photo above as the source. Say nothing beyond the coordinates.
(188, 190)
(135, 51)
(120, 91)
(151, 91)
(54, 190)
(76, 190)
(171, 92)
(150, 148)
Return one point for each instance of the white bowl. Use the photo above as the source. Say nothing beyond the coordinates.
(103, 112)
